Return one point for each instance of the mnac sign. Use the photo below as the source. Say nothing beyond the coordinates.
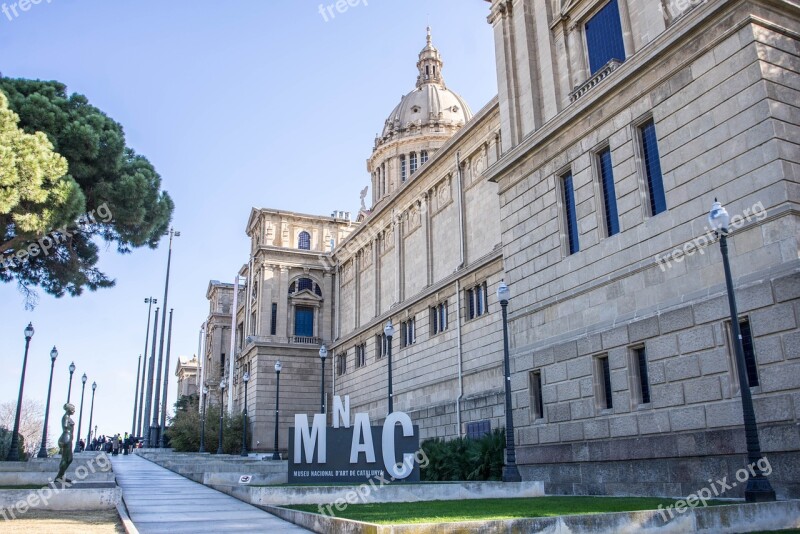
(352, 453)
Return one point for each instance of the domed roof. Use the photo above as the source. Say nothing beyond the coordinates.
(431, 103)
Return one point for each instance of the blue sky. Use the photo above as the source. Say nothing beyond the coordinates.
(238, 104)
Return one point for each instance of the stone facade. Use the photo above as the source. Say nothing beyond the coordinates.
(714, 80)
(622, 372)
(188, 379)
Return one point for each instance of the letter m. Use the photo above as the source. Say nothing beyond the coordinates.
(305, 440)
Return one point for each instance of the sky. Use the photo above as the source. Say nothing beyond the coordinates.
(238, 104)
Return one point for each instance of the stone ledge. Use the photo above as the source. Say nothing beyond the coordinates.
(749, 517)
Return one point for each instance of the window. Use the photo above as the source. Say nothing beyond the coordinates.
(537, 403)
(413, 158)
(652, 167)
(253, 323)
(341, 364)
(604, 37)
(570, 213)
(602, 383)
(749, 352)
(438, 318)
(408, 333)
(640, 376)
(403, 169)
(305, 283)
(609, 195)
(381, 346)
(478, 429)
(304, 241)
(477, 304)
(304, 321)
(273, 325)
(423, 157)
(361, 355)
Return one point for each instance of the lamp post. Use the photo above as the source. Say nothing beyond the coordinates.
(149, 301)
(389, 331)
(84, 378)
(203, 426)
(154, 441)
(91, 413)
(163, 430)
(43, 448)
(221, 411)
(758, 487)
(323, 353)
(510, 470)
(13, 451)
(275, 454)
(71, 371)
(148, 403)
(246, 379)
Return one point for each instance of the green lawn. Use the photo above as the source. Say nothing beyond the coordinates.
(491, 509)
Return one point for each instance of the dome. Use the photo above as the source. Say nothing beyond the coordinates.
(430, 104)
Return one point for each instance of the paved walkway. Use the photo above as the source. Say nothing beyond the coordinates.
(160, 501)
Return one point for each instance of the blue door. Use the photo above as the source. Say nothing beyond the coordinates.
(304, 321)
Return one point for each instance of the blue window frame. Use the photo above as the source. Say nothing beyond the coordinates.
(304, 241)
(609, 194)
(604, 37)
(570, 214)
(304, 321)
(273, 325)
(478, 429)
(304, 283)
(652, 168)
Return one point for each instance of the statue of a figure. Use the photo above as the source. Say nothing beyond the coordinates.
(363, 196)
(65, 442)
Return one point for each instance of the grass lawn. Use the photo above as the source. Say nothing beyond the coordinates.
(491, 509)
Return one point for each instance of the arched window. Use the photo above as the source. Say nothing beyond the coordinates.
(403, 169)
(413, 158)
(304, 241)
(423, 157)
(305, 283)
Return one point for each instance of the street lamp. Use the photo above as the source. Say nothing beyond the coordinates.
(246, 379)
(388, 330)
(71, 370)
(13, 452)
(275, 455)
(91, 413)
(84, 378)
(323, 353)
(138, 431)
(221, 411)
(43, 448)
(203, 431)
(758, 487)
(510, 470)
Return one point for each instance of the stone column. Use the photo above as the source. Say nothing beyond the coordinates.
(282, 331)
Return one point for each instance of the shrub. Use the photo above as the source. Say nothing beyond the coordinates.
(462, 459)
(5, 444)
(184, 429)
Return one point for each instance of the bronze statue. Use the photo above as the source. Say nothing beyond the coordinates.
(65, 442)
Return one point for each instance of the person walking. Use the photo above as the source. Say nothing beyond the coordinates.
(114, 446)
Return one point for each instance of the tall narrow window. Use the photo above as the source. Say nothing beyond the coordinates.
(403, 169)
(479, 294)
(602, 377)
(423, 157)
(652, 167)
(609, 194)
(304, 241)
(604, 37)
(341, 364)
(434, 320)
(442, 312)
(570, 213)
(361, 355)
(273, 323)
(413, 162)
(304, 321)
(537, 404)
(470, 303)
(403, 334)
(642, 379)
